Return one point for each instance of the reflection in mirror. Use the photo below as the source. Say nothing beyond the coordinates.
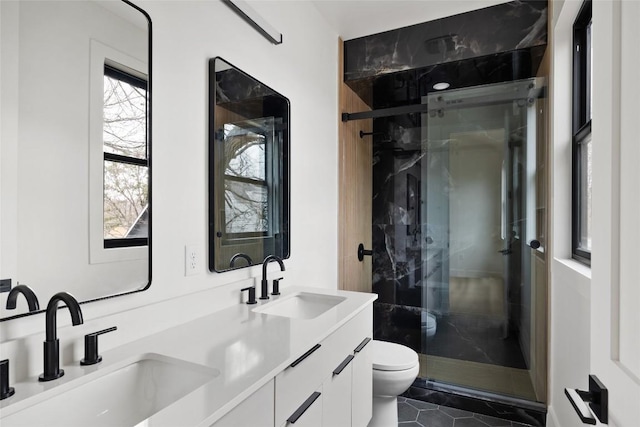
(249, 170)
(74, 167)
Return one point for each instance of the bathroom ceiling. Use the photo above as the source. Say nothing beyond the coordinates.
(357, 18)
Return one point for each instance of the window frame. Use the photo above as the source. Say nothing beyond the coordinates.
(581, 126)
(267, 234)
(116, 73)
(262, 183)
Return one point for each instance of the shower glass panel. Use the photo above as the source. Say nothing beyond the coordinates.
(481, 210)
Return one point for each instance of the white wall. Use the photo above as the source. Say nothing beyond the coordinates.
(304, 68)
(475, 200)
(472, 170)
(570, 287)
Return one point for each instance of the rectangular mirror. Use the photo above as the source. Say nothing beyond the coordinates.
(75, 140)
(248, 169)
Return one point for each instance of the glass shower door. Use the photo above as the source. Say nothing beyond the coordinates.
(478, 189)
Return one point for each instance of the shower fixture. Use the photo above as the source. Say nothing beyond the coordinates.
(363, 134)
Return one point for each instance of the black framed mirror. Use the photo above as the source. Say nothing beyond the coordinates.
(75, 153)
(249, 200)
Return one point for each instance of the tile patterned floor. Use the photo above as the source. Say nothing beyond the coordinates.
(414, 413)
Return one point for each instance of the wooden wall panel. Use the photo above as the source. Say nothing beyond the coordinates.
(355, 193)
(540, 266)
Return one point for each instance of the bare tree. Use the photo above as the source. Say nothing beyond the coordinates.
(126, 192)
(246, 192)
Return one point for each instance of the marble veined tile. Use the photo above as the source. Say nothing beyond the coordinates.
(444, 416)
(509, 26)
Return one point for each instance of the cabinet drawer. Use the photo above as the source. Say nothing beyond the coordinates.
(296, 383)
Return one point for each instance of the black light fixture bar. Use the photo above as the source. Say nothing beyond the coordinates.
(247, 13)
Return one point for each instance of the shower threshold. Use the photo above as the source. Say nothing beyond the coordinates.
(479, 401)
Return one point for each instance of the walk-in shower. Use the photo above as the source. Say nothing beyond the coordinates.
(458, 236)
(479, 187)
(458, 199)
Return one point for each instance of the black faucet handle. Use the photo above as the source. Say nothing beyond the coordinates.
(276, 286)
(5, 390)
(252, 294)
(91, 356)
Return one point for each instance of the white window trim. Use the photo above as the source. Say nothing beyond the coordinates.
(99, 54)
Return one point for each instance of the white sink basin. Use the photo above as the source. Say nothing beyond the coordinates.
(301, 305)
(126, 396)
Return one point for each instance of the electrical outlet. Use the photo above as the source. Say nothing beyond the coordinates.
(191, 260)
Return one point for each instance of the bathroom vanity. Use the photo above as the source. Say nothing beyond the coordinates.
(300, 357)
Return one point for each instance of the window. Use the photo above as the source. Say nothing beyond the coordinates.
(582, 142)
(125, 167)
(247, 194)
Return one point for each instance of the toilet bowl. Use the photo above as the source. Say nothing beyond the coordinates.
(394, 368)
(429, 324)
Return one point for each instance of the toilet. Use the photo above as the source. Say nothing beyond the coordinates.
(395, 367)
(428, 323)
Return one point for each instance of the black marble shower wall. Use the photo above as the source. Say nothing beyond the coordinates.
(503, 28)
(396, 231)
(398, 68)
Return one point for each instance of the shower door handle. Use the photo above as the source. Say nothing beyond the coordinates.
(362, 252)
(507, 251)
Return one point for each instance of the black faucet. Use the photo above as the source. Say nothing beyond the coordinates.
(240, 255)
(52, 345)
(32, 299)
(265, 283)
(5, 390)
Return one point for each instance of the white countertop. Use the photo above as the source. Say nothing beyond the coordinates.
(248, 349)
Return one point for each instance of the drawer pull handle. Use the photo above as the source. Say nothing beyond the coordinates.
(304, 356)
(303, 408)
(343, 365)
(362, 344)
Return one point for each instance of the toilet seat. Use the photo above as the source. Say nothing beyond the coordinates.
(388, 356)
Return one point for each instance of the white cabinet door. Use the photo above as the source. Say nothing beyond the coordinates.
(362, 387)
(336, 403)
(309, 414)
(255, 411)
(297, 383)
(615, 286)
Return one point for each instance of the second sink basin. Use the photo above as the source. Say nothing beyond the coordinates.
(125, 396)
(301, 305)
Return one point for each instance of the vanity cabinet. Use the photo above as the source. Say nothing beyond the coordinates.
(329, 385)
(333, 368)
